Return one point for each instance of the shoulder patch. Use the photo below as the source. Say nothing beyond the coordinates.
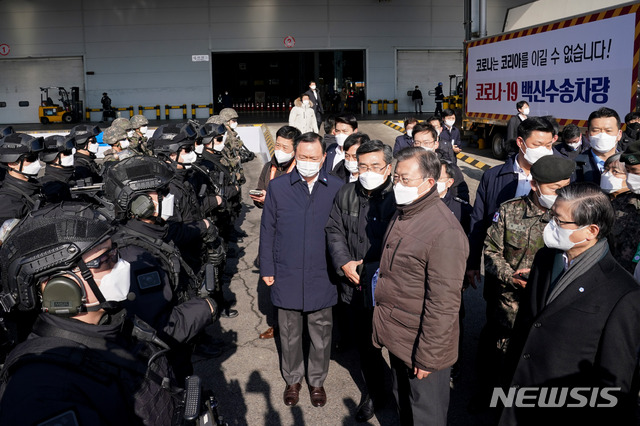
(496, 216)
(148, 280)
(67, 418)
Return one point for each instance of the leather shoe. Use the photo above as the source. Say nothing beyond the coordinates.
(228, 313)
(291, 394)
(267, 334)
(318, 396)
(365, 410)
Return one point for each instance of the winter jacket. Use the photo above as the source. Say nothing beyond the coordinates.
(419, 285)
(302, 117)
(355, 230)
(293, 247)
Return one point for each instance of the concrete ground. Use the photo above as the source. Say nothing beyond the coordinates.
(246, 378)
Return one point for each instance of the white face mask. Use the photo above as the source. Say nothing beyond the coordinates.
(144, 129)
(633, 182)
(32, 169)
(441, 187)
(609, 183)
(531, 155)
(308, 168)
(218, 147)
(93, 147)
(167, 207)
(575, 146)
(409, 132)
(283, 157)
(198, 149)
(371, 180)
(189, 157)
(558, 238)
(545, 200)
(428, 148)
(233, 124)
(124, 144)
(130, 133)
(603, 142)
(305, 102)
(312, 87)
(405, 194)
(450, 123)
(351, 166)
(340, 138)
(525, 111)
(66, 160)
(115, 285)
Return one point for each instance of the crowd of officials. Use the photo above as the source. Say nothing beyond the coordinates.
(112, 270)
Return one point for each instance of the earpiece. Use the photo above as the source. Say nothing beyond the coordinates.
(142, 206)
(64, 296)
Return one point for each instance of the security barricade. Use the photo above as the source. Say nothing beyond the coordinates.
(146, 108)
(194, 107)
(168, 108)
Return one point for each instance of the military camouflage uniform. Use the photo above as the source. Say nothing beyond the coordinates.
(138, 144)
(512, 241)
(231, 154)
(624, 240)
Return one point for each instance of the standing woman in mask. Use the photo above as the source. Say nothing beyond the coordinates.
(302, 116)
(614, 179)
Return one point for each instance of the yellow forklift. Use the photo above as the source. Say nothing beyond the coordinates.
(68, 111)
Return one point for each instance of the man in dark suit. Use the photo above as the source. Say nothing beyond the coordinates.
(316, 102)
(293, 261)
(578, 326)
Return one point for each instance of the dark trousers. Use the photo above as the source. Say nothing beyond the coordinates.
(372, 364)
(420, 402)
(319, 324)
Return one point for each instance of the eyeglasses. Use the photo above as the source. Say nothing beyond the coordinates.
(108, 256)
(376, 169)
(558, 221)
(423, 143)
(405, 181)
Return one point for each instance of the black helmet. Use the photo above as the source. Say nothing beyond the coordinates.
(170, 138)
(56, 144)
(48, 241)
(136, 176)
(210, 131)
(6, 131)
(16, 145)
(82, 133)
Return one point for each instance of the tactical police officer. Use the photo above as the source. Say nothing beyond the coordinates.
(59, 171)
(86, 150)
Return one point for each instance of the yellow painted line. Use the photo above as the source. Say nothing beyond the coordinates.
(268, 138)
(469, 160)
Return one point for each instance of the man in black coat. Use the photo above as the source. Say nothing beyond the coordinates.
(316, 102)
(355, 230)
(578, 326)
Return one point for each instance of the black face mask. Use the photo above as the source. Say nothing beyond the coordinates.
(634, 127)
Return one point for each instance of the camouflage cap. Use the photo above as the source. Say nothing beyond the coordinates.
(631, 155)
(215, 119)
(123, 123)
(113, 135)
(138, 121)
(552, 168)
(228, 114)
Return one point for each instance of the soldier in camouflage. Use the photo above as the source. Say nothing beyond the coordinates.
(230, 157)
(624, 240)
(138, 141)
(514, 238)
(115, 137)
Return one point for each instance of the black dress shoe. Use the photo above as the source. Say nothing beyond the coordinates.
(228, 313)
(291, 394)
(318, 396)
(365, 410)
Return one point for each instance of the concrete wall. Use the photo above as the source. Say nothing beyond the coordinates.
(139, 51)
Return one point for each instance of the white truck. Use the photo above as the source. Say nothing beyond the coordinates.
(566, 68)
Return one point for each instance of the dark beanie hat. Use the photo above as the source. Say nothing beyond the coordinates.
(552, 168)
(631, 155)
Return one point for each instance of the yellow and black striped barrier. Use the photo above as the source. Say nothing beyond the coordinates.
(168, 108)
(469, 160)
(146, 108)
(88, 111)
(194, 107)
(270, 142)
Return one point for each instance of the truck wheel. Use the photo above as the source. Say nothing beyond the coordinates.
(44, 120)
(498, 146)
(67, 118)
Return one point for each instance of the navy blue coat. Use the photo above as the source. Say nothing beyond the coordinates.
(566, 151)
(293, 246)
(587, 168)
(403, 141)
(446, 136)
(331, 154)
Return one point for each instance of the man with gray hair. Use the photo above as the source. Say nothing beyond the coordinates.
(578, 323)
(418, 290)
(357, 224)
